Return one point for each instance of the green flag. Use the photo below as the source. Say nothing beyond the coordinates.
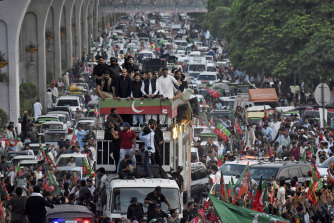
(303, 158)
(265, 197)
(231, 214)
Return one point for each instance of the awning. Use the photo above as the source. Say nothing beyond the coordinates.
(263, 95)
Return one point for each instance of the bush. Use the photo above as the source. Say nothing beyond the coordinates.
(49, 77)
(28, 93)
(3, 119)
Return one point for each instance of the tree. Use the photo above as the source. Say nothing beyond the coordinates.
(28, 93)
(281, 37)
(3, 119)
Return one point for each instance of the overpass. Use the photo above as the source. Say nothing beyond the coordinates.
(148, 6)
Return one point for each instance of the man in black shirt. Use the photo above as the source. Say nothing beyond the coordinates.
(158, 214)
(189, 213)
(178, 178)
(154, 198)
(130, 65)
(114, 68)
(100, 69)
(135, 210)
(123, 86)
(111, 133)
(104, 86)
(125, 170)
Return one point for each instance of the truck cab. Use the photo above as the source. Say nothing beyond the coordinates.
(120, 193)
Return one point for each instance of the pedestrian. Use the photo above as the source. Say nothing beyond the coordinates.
(35, 206)
(37, 109)
(17, 206)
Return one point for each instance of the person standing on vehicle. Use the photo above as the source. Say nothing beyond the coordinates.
(114, 68)
(128, 144)
(158, 140)
(18, 204)
(147, 136)
(123, 86)
(35, 206)
(135, 210)
(166, 85)
(152, 199)
(136, 93)
(149, 90)
(115, 118)
(129, 64)
(100, 69)
(104, 86)
(179, 178)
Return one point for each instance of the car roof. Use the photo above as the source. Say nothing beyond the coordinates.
(280, 164)
(29, 161)
(68, 97)
(144, 183)
(87, 119)
(58, 209)
(24, 157)
(52, 122)
(71, 154)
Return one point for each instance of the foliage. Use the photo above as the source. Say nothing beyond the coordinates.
(49, 77)
(282, 38)
(28, 93)
(2, 56)
(4, 77)
(3, 119)
(218, 11)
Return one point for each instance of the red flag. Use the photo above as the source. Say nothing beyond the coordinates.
(237, 125)
(311, 194)
(54, 82)
(73, 140)
(270, 153)
(211, 121)
(215, 93)
(244, 186)
(257, 206)
(222, 187)
(272, 198)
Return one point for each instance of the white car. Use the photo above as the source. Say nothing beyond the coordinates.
(73, 102)
(52, 125)
(207, 78)
(322, 167)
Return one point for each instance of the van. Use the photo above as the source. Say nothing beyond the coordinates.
(121, 191)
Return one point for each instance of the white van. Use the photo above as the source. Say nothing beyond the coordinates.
(120, 193)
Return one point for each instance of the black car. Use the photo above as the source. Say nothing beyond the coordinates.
(279, 170)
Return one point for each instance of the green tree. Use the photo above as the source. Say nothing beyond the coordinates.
(3, 119)
(281, 37)
(28, 93)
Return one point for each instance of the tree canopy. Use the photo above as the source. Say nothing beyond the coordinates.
(280, 37)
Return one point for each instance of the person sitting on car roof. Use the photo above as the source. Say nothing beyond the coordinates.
(105, 86)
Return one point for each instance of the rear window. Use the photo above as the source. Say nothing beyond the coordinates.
(207, 77)
(64, 102)
(232, 169)
(265, 172)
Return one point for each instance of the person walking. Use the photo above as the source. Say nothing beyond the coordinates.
(17, 204)
(37, 109)
(35, 206)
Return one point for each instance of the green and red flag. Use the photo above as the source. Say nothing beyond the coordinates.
(200, 218)
(272, 195)
(222, 132)
(316, 178)
(241, 187)
(86, 168)
(233, 214)
(229, 189)
(211, 121)
(18, 171)
(257, 204)
(311, 194)
(96, 112)
(222, 186)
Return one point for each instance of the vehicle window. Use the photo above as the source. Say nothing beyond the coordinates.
(194, 157)
(304, 170)
(232, 169)
(325, 164)
(62, 173)
(195, 75)
(85, 125)
(63, 161)
(266, 173)
(211, 69)
(207, 77)
(64, 102)
(196, 67)
(284, 173)
(294, 172)
(52, 126)
(122, 197)
(53, 137)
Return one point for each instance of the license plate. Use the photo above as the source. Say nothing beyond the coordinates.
(71, 222)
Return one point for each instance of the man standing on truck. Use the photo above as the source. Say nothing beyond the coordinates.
(154, 198)
(136, 93)
(149, 90)
(158, 140)
(114, 68)
(104, 86)
(114, 118)
(127, 137)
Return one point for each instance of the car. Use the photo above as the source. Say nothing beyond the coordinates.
(322, 167)
(36, 147)
(47, 118)
(199, 181)
(64, 117)
(73, 102)
(194, 155)
(207, 78)
(63, 168)
(217, 114)
(58, 109)
(65, 213)
(15, 161)
(30, 164)
(12, 154)
(85, 123)
(52, 137)
(233, 169)
(52, 126)
(279, 170)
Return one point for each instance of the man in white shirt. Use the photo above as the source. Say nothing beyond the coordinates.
(281, 193)
(37, 109)
(275, 125)
(166, 86)
(149, 90)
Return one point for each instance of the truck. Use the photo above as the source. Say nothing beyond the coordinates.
(176, 148)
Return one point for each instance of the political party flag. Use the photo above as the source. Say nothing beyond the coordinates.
(86, 168)
(222, 185)
(232, 214)
(311, 194)
(316, 179)
(272, 195)
(242, 185)
(96, 112)
(211, 121)
(222, 132)
(257, 206)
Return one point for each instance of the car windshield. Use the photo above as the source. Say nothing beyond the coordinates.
(207, 77)
(217, 115)
(196, 67)
(265, 172)
(325, 164)
(85, 125)
(51, 126)
(195, 75)
(122, 197)
(211, 69)
(53, 137)
(64, 102)
(232, 169)
(65, 161)
(60, 174)
(146, 55)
